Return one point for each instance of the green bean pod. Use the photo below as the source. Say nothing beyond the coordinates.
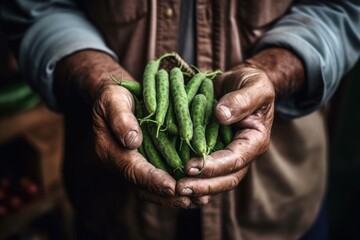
(219, 145)
(207, 88)
(170, 119)
(153, 156)
(212, 129)
(166, 149)
(162, 97)
(193, 85)
(181, 107)
(133, 87)
(184, 153)
(198, 142)
(149, 86)
(226, 134)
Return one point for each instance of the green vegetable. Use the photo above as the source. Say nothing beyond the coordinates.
(226, 134)
(166, 148)
(132, 86)
(162, 96)
(198, 142)
(181, 107)
(207, 88)
(193, 85)
(212, 130)
(149, 87)
(170, 119)
(151, 151)
(184, 153)
(16, 98)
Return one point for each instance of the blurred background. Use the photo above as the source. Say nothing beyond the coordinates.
(33, 205)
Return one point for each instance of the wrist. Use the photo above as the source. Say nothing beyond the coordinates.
(284, 69)
(80, 76)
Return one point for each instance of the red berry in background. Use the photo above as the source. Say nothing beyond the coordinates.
(32, 189)
(28, 189)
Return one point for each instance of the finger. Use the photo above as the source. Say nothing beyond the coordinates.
(247, 144)
(249, 97)
(132, 165)
(201, 201)
(115, 107)
(174, 202)
(197, 187)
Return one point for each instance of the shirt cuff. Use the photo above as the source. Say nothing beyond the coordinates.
(318, 47)
(310, 98)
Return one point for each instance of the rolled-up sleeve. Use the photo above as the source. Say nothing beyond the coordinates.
(326, 36)
(51, 31)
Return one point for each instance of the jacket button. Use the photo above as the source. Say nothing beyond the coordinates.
(168, 13)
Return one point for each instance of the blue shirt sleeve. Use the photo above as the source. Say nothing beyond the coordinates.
(326, 36)
(40, 48)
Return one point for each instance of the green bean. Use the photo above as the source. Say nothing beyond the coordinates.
(193, 85)
(166, 149)
(212, 130)
(184, 153)
(170, 119)
(218, 146)
(153, 156)
(226, 134)
(181, 107)
(162, 97)
(207, 88)
(198, 142)
(149, 86)
(132, 86)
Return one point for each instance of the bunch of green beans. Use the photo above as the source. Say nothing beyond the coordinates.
(175, 112)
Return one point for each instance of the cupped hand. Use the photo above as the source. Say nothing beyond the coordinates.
(247, 102)
(118, 135)
(84, 77)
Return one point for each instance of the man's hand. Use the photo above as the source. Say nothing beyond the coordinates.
(118, 135)
(249, 104)
(247, 101)
(85, 75)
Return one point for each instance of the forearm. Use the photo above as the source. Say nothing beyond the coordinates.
(284, 69)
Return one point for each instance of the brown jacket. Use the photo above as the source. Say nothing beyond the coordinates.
(281, 194)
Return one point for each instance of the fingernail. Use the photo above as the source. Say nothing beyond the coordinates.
(187, 191)
(226, 111)
(168, 192)
(194, 171)
(130, 137)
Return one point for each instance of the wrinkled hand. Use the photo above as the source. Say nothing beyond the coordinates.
(118, 135)
(248, 103)
(117, 132)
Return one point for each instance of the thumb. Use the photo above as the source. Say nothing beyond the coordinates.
(250, 93)
(113, 111)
